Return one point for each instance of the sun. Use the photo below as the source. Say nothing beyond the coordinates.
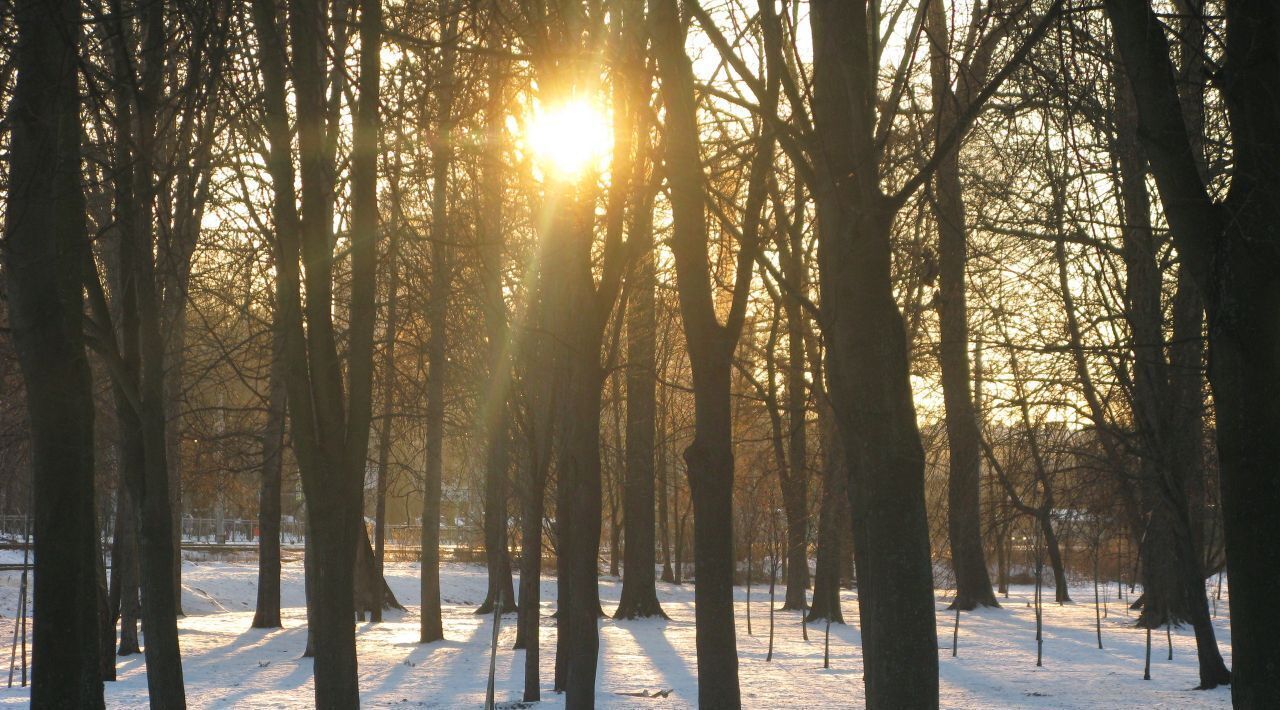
(569, 139)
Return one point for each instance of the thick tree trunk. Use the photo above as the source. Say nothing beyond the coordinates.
(1229, 248)
(332, 604)
(46, 241)
(710, 464)
(575, 348)
(868, 376)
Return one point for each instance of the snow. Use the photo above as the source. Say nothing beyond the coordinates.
(229, 665)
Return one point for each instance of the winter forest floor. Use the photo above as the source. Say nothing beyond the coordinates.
(229, 665)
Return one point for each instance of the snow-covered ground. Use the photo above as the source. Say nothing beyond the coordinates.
(229, 665)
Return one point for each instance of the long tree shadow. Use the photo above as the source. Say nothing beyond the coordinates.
(448, 659)
(650, 636)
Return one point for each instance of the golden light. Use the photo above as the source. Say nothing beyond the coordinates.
(570, 139)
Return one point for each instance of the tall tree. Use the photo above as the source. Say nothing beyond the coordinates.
(964, 517)
(46, 242)
(711, 344)
(1229, 248)
(431, 626)
(631, 92)
(330, 426)
(495, 409)
(868, 378)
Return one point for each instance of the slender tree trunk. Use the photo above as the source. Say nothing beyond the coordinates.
(267, 613)
(175, 329)
(964, 514)
(384, 427)
(830, 552)
(432, 628)
(529, 619)
(150, 490)
(1044, 519)
(664, 490)
(495, 413)
(46, 242)
(639, 593)
(126, 605)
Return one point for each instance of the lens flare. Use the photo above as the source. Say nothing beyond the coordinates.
(569, 139)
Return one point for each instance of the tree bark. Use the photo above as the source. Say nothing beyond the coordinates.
(1228, 247)
(711, 344)
(868, 376)
(384, 427)
(267, 613)
(125, 603)
(432, 627)
(639, 592)
(964, 514)
(330, 431)
(46, 241)
(830, 549)
(495, 413)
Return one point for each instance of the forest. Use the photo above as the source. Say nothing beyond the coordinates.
(640, 353)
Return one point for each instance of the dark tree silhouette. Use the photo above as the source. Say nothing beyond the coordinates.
(46, 243)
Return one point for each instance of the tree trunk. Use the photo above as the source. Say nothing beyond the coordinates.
(46, 242)
(125, 604)
(1229, 247)
(1044, 519)
(384, 427)
(639, 593)
(579, 377)
(267, 613)
(495, 414)
(868, 376)
(175, 328)
(330, 430)
(830, 552)
(664, 490)
(964, 515)
(432, 628)
(530, 611)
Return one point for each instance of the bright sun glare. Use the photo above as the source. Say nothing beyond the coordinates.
(569, 138)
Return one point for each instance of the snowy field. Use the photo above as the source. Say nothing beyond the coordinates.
(229, 665)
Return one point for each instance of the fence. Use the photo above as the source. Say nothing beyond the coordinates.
(237, 531)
